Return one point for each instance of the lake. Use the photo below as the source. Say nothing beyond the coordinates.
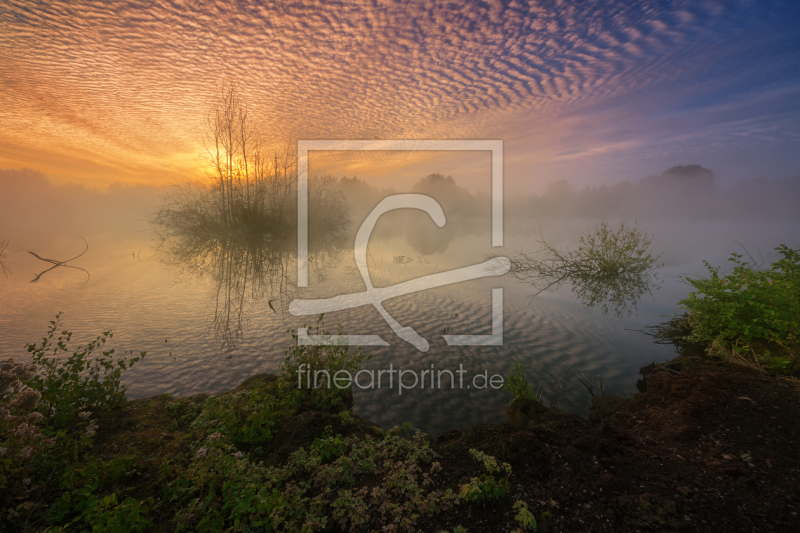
(159, 305)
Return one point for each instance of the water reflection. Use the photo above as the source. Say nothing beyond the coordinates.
(611, 269)
(251, 261)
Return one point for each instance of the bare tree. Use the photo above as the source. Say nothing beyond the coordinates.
(252, 187)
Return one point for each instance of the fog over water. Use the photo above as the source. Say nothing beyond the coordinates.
(154, 304)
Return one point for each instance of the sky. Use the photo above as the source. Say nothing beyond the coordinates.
(593, 92)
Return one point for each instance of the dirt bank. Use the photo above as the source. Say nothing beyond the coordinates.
(709, 446)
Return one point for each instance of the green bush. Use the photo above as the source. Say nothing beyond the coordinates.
(486, 486)
(335, 481)
(516, 384)
(248, 418)
(331, 358)
(82, 381)
(83, 500)
(47, 430)
(748, 305)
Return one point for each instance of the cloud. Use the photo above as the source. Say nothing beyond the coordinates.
(125, 86)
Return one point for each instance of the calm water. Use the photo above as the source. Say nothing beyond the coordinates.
(156, 307)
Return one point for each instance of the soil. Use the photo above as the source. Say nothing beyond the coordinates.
(708, 446)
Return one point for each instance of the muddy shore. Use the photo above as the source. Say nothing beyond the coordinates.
(709, 446)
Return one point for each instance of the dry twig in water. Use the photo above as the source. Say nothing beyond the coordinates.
(4, 255)
(57, 264)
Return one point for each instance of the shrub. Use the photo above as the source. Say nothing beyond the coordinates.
(334, 481)
(248, 417)
(611, 269)
(46, 431)
(83, 500)
(486, 486)
(20, 434)
(748, 306)
(331, 358)
(80, 382)
(516, 384)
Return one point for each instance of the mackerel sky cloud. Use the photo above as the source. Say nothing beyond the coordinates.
(592, 92)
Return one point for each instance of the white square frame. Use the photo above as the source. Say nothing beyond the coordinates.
(304, 146)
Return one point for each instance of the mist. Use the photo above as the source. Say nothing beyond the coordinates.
(684, 208)
(34, 212)
(690, 216)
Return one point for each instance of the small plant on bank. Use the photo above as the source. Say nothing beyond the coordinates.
(517, 385)
(46, 432)
(486, 487)
(310, 370)
(524, 517)
(249, 417)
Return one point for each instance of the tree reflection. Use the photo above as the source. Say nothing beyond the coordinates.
(610, 271)
(247, 265)
(241, 230)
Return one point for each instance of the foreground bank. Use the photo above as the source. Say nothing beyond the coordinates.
(709, 446)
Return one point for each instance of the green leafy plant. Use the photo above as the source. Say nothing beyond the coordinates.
(516, 384)
(747, 306)
(47, 430)
(328, 445)
(332, 481)
(302, 362)
(247, 418)
(111, 516)
(80, 382)
(486, 486)
(89, 497)
(524, 517)
(184, 412)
